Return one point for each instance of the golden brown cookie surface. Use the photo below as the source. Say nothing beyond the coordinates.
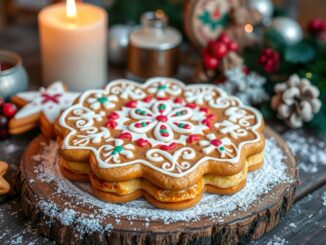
(163, 131)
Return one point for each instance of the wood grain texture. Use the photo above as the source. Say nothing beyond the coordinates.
(238, 227)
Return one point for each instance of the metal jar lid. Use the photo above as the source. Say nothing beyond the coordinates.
(154, 33)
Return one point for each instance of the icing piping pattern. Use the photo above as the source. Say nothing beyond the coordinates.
(163, 118)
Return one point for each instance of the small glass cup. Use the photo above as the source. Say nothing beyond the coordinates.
(13, 76)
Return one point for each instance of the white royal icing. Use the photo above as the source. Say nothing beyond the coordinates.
(158, 119)
(50, 102)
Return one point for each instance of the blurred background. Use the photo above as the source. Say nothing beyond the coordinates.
(13, 11)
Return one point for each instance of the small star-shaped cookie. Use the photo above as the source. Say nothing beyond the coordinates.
(40, 108)
(4, 185)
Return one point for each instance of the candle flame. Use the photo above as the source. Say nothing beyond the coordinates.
(71, 9)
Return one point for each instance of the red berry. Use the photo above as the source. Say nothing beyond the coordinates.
(210, 62)
(2, 101)
(233, 46)
(3, 122)
(224, 38)
(269, 59)
(218, 50)
(9, 109)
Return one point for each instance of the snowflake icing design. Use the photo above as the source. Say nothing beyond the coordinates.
(163, 120)
(162, 89)
(101, 99)
(113, 153)
(224, 146)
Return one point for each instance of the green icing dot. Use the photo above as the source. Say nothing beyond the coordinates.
(163, 131)
(117, 149)
(138, 111)
(102, 99)
(143, 112)
(178, 114)
(143, 124)
(163, 86)
(222, 148)
(181, 125)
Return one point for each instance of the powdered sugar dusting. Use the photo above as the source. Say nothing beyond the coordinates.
(216, 207)
(323, 198)
(277, 241)
(311, 151)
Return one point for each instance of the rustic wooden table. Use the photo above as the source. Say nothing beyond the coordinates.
(305, 223)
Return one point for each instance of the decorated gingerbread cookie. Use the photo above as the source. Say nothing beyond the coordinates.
(162, 140)
(40, 108)
(4, 185)
(205, 20)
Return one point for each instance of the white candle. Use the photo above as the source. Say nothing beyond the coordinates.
(74, 45)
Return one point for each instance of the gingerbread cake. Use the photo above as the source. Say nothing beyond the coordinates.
(163, 140)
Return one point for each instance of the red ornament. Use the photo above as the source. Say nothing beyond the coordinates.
(316, 26)
(9, 110)
(111, 124)
(168, 147)
(142, 142)
(209, 62)
(125, 135)
(270, 59)
(131, 104)
(113, 116)
(192, 138)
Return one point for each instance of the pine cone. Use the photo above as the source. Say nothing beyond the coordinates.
(296, 101)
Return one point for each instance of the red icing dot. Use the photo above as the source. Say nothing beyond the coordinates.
(113, 116)
(131, 104)
(165, 134)
(163, 127)
(168, 147)
(111, 124)
(211, 117)
(186, 126)
(178, 101)
(138, 125)
(216, 142)
(147, 99)
(192, 106)
(161, 118)
(208, 123)
(142, 142)
(204, 109)
(125, 135)
(163, 98)
(192, 138)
